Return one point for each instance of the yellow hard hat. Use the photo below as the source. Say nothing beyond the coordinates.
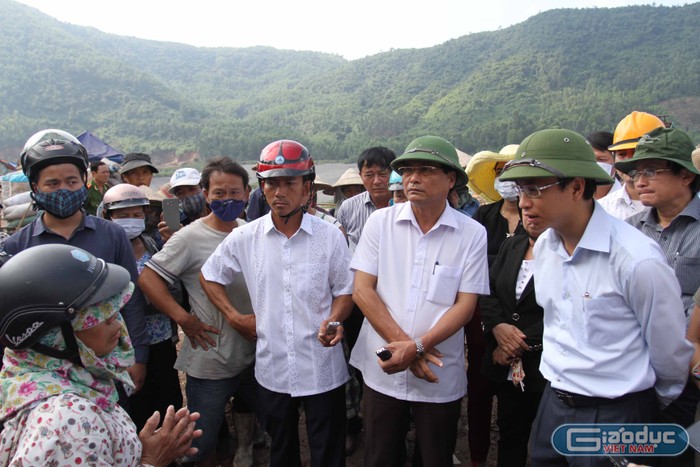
(632, 127)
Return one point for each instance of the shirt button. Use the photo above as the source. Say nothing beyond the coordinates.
(566, 294)
(558, 378)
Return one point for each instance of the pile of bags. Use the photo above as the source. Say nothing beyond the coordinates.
(16, 201)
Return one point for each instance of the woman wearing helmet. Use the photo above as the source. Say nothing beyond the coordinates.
(126, 205)
(56, 165)
(67, 345)
(398, 196)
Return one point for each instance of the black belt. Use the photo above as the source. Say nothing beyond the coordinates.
(578, 400)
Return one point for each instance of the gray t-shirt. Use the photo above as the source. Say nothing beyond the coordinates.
(182, 258)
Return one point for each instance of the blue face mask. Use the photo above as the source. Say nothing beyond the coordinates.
(61, 203)
(227, 210)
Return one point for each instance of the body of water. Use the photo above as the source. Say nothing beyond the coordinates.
(328, 172)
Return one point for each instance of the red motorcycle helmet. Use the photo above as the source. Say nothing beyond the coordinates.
(285, 158)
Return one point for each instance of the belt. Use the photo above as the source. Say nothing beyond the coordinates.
(578, 400)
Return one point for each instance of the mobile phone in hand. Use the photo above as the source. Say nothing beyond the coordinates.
(171, 213)
(332, 328)
(384, 354)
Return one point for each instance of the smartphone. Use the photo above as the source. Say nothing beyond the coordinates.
(332, 328)
(384, 354)
(171, 213)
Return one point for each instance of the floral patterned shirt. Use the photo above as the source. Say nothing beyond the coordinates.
(69, 430)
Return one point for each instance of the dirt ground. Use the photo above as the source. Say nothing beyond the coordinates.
(461, 454)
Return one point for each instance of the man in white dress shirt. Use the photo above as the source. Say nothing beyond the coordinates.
(297, 270)
(614, 327)
(419, 268)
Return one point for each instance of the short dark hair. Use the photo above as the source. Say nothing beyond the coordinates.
(600, 140)
(377, 155)
(588, 189)
(95, 166)
(224, 165)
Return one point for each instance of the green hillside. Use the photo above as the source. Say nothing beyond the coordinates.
(582, 69)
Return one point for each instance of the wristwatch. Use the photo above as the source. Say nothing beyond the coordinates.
(420, 351)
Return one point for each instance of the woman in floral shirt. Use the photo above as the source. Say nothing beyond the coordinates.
(66, 346)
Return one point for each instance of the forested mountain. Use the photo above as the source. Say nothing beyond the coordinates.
(582, 69)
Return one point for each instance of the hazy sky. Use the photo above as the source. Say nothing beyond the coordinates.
(351, 29)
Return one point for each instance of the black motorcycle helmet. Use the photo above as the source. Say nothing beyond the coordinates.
(44, 286)
(48, 147)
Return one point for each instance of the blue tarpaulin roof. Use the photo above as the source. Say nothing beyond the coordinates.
(97, 149)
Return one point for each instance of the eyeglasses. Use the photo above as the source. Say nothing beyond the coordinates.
(648, 173)
(423, 170)
(373, 175)
(534, 191)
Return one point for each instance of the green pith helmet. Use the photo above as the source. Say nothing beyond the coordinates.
(432, 149)
(668, 144)
(555, 152)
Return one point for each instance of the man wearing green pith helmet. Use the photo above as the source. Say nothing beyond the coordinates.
(614, 346)
(419, 267)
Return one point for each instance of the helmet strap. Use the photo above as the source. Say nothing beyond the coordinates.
(71, 353)
(301, 209)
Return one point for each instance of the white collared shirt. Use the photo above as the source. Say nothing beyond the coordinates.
(292, 283)
(619, 204)
(418, 277)
(613, 319)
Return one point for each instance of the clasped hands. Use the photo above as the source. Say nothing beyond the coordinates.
(403, 356)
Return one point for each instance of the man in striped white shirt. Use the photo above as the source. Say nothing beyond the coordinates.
(373, 165)
(375, 172)
(668, 182)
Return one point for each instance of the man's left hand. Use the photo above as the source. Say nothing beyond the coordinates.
(403, 355)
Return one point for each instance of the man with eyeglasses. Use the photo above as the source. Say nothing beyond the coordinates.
(668, 182)
(613, 340)
(419, 267)
(625, 202)
(375, 172)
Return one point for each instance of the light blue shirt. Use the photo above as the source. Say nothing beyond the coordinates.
(613, 319)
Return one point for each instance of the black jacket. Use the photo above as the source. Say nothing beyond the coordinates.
(501, 307)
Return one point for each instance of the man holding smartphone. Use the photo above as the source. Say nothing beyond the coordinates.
(217, 360)
(297, 269)
(418, 269)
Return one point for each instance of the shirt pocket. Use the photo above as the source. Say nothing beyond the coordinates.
(604, 320)
(687, 269)
(444, 284)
